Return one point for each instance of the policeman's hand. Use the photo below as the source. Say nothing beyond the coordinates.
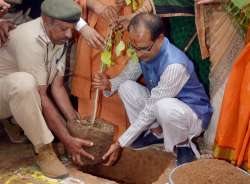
(206, 1)
(120, 3)
(110, 14)
(112, 154)
(75, 147)
(93, 38)
(5, 27)
(101, 81)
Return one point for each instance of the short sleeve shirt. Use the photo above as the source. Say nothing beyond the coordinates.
(30, 50)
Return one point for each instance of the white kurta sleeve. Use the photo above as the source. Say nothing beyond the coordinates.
(132, 71)
(171, 82)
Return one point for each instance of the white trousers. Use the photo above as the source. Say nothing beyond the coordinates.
(19, 98)
(177, 120)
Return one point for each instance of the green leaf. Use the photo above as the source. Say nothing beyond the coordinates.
(106, 58)
(128, 2)
(132, 54)
(241, 3)
(135, 5)
(109, 44)
(119, 48)
(130, 51)
(247, 11)
(134, 58)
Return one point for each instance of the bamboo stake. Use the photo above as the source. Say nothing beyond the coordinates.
(96, 98)
(190, 42)
(95, 107)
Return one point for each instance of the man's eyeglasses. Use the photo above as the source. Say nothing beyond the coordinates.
(142, 49)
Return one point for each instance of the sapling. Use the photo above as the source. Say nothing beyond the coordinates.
(114, 39)
(96, 130)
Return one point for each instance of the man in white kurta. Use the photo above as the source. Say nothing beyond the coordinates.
(172, 105)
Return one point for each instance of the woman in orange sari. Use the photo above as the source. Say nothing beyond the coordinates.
(233, 131)
(88, 63)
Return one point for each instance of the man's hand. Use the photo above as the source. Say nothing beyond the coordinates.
(75, 149)
(3, 7)
(75, 146)
(207, 1)
(93, 38)
(5, 27)
(101, 82)
(112, 154)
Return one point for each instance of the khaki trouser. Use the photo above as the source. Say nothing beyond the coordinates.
(19, 98)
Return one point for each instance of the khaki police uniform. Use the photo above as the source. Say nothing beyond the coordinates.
(28, 60)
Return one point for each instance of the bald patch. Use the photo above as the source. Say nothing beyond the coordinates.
(139, 36)
(150, 22)
(140, 31)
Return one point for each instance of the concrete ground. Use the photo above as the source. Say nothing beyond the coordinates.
(140, 167)
(17, 167)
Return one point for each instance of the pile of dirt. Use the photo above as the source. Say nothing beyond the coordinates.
(101, 134)
(208, 171)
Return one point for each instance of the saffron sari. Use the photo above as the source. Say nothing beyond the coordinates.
(232, 141)
(87, 64)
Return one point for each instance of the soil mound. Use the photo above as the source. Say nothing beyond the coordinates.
(101, 134)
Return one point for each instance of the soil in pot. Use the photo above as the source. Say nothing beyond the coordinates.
(100, 133)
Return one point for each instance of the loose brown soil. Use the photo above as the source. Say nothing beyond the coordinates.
(136, 167)
(209, 171)
(101, 134)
